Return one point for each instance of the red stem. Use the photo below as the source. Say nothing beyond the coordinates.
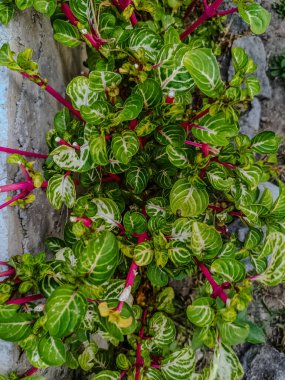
(26, 186)
(122, 375)
(123, 4)
(220, 209)
(86, 221)
(5, 263)
(190, 8)
(217, 289)
(20, 301)
(22, 152)
(9, 272)
(30, 372)
(155, 366)
(14, 199)
(225, 164)
(26, 173)
(201, 114)
(227, 12)
(194, 26)
(56, 95)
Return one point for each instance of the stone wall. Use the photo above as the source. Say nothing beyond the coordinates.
(26, 113)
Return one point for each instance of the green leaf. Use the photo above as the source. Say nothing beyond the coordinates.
(182, 230)
(106, 375)
(134, 223)
(178, 157)
(233, 333)
(256, 16)
(143, 254)
(61, 189)
(96, 113)
(253, 86)
(217, 130)
(47, 7)
(256, 334)
(172, 74)
(229, 269)
(157, 276)
(188, 199)
(200, 312)
(171, 134)
(204, 69)
(6, 55)
(225, 364)
(179, 365)
(145, 127)
(107, 211)
(275, 272)
(52, 351)
(156, 207)
(205, 240)
(146, 40)
(150, 91)
(66, 34)
(24, 4)
(8, 311)
(265, 143)
(7, 11)
(254, 213)
(239, 57)
(162, 329)
(17, 327)
(65, 310)
(80, 92)
(253, 238)
(101, 80)
(218, 177)
(86, 358)
(137, 177)
(33, 356)
(80, 9)
(99, 259)
(98, 148)
(277, 212)
(67, 158)
(132, 108)
(179, 254)
(252, 175)
(125, 146)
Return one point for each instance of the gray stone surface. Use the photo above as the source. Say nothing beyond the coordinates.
(254, 47)
(263, 363)
(26, 113)
(250, 122)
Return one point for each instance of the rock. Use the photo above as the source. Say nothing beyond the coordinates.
(250, 122)
(263, 362)
(255, 49)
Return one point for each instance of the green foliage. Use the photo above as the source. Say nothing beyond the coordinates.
(277, 67)
(153, 170)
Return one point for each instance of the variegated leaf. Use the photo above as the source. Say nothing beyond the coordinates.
(182, 230)
(219, 178)
(80, 92)
(172, 74)
(131, 109)
(17, 327)
(188, 199)
(225, 364)
(265, 142)
(134, 223)
(101, 80)
(179, 365)
(67, 158)
(205, 240)
(150, 91)
(162, 329)
(253, 238)
(203, 67)
(254, 212)
(252, 176)
(178, 156)
(275, 272)
(80, 9)
(98, 149)
(96, 113)
(66, 34)
(99, 259)
(178, 253)
(61, 189)
(65, 310)
(230, 270)
(106, 375)
(171, 134)
(137, 177)
(256, 16)
(156, 207)
(125, 146)
(146, 39)
(52, 351)
(143, 254)
(108, 211)
(200, 312)
(217, 130)
(233, 333)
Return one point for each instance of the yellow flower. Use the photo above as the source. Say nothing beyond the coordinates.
(114, 316)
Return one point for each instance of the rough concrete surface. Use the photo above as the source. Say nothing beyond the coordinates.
(26, 113)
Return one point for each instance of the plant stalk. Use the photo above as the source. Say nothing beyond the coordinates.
(8, 273)
(218, 291)
(23, 194)
(22, 152)
(20, 301)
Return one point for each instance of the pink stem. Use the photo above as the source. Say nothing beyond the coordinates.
(190, 8)
(27, 186)
(121, 5)
(14, 199)
(30, 372)
(94, 39)
(155, 366)
(57, 96)
(111, 178)
(63, 142)
(194, 26)
(20, 301)
(22, 152)
(206, 149)
(86, 221)
(7, 273)
(5, 263)
(217, 289)
(225, 164)
(129, 282)
(122, 375)
(220, 209)
(201, 114)
(133, 124)
(26, 173)
(227, 12)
